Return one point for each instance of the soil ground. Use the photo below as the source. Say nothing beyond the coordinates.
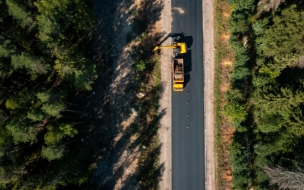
(165, 123)
(118, 168)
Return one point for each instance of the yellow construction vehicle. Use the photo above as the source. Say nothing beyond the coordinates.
(178, 74)
(178, 48)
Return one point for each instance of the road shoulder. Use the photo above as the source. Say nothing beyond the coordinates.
(208, 48)
(165, 123)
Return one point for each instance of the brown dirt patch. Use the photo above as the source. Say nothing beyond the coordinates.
(226, 63)
(226, 14)
(227, 132)
(225, 37)
(224, 87)
(226, 135)
(227, 176)
(225, 9)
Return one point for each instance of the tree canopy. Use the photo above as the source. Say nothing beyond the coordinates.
(266, 102)
(44, 72)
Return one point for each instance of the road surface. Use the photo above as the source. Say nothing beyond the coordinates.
(188, 164)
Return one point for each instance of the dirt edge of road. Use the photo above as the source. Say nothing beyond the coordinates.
(208, 48)
(165, 102)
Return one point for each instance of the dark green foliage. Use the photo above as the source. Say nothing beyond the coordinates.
(238, 108)
(238, 21)
(6, 47)
(21, 131)
(18, 10)
(53, 109)
(240, 73)
(240, 164)
(44, 73)
(259, 27)
(236, 112)
(33, 65)
(52, 152)
(288, 25)
(140, 65)
(36, 115)
(49, 30)
(266, 103)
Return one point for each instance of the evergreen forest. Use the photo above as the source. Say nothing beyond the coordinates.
(266, 101)
(58, 116)
(46, 71)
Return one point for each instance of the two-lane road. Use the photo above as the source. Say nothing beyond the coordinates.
(188, 165)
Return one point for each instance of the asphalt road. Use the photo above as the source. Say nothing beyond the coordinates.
(188, 164)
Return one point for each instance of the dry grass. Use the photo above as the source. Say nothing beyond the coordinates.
(226, 14)
(225, 37)
(224, 87)
(224, 60)
(226, 63)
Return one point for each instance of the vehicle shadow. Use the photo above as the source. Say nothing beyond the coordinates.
(188, 67)
(178, 37)
(181, 37)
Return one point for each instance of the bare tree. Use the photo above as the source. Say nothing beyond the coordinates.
(267, 5)
(299, 63)
(286, 179)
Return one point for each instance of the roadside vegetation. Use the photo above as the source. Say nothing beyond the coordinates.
(49, 118)
(265, 99)
(146, 81)
(223, 65)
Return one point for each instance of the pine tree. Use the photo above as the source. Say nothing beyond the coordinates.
(284, 37)
(49, 30)
(52, 152)
(36, 115)
(34, 65)
(53, 109)
(52, 7)
(7, 48)
(56, 134)
(19, 12)
(21, 131)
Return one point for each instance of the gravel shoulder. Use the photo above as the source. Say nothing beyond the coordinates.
(165, 123)
(208, 46)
